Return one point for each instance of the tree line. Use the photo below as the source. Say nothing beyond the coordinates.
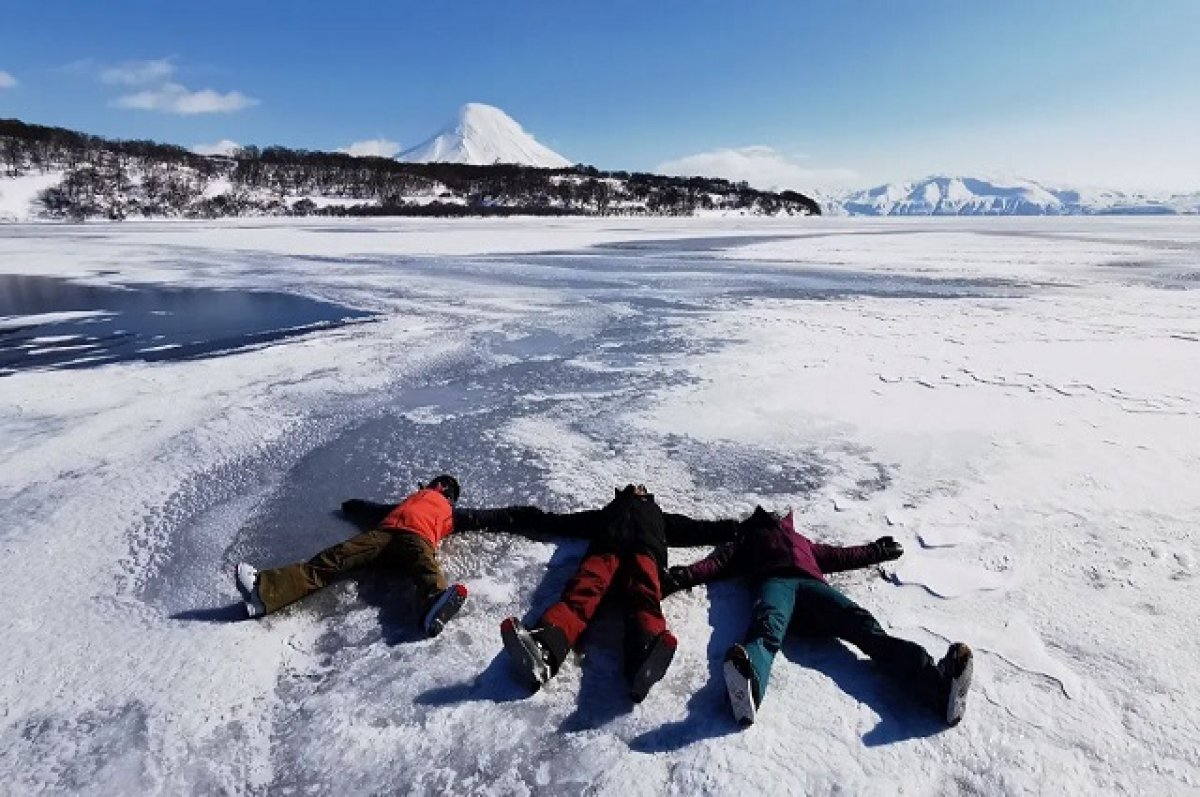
(120, 179)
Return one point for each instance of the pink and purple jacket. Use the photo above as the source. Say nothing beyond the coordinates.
(769, 546)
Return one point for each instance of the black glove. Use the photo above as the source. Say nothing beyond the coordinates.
(674, 579)
(887, 549)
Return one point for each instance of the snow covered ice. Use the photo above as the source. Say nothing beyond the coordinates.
(1016, 401)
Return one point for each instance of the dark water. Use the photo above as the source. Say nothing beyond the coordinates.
(148, 323)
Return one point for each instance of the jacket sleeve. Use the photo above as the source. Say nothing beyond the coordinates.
(585, 525)
(714, 566)
(835, 558)
(509, 519)
(365, 514)
(684, 532)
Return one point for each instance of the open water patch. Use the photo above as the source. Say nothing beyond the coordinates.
(46, 322)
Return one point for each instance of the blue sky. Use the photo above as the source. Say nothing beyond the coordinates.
(791, 94)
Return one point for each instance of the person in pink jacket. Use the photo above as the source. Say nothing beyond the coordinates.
(786, 572)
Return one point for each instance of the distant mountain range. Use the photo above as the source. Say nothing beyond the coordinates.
(483, 135)
(971, 196)
(481, 162)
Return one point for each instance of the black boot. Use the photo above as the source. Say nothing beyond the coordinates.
(652, 665)
(537, 652)
(956, 669)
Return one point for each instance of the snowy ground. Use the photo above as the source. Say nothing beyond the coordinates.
(1017, 401)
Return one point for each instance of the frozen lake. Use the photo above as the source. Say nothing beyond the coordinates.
(1017, 401)
(61, 324)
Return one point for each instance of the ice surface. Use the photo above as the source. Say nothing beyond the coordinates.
(944, 577)
(1015, 401)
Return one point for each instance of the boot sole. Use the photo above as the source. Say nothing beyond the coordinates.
(525, 653)
(741, 693)
(960, 686)
(449, 606)
(241, 574)
(658, 660)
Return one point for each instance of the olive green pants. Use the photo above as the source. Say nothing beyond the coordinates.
(403, 552)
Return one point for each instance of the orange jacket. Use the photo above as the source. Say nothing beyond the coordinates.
(425, 513)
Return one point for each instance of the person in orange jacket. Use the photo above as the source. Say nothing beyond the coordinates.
(404, 540)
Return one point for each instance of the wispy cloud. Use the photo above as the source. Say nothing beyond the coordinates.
(7, 81)
(762, 167)
(222, 147)
(176, 98)
(158, 89)
(138, 73)
(375, 147)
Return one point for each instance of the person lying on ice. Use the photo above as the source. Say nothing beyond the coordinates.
(786, 572)
(628, 550)
(403, 539)
(681, 531)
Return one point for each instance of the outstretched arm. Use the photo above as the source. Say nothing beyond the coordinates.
(835, 558)
(681, 531)
(366, 514)
(515, 519)
(511, 519)
(685, 532)
(586, 524)
(712, 567)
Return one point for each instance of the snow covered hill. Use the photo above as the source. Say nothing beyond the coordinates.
(483, 135)
(19, 196)
(57, 173)
(972, 196)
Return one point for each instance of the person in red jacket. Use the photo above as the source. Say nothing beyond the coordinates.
(403, 538)
(787, 573)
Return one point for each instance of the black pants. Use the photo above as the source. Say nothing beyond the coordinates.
(813, 608)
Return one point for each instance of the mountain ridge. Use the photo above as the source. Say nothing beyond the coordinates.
(961, 195)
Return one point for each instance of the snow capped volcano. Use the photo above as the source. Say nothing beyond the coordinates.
(483, 135)
(971, 196)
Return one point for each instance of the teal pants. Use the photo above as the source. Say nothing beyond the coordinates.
(813, 608)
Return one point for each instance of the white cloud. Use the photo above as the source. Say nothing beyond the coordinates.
(222, 147)
(175, 98)
(158, 92)
(7, 81)
(138, 73)
(762, 167)
(375, 147)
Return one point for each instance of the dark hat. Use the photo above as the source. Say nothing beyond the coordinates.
(449, 486)
(632, 491)
(760, 520)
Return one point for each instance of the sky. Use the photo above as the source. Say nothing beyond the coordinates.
(804, 95)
